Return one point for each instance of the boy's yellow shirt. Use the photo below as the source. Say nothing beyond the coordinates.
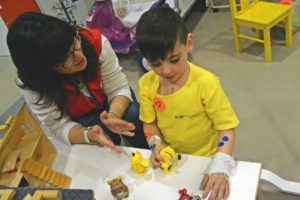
(190, 117)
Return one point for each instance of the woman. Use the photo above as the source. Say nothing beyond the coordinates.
(72, 81)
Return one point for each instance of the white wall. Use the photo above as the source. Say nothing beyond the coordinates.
(3, 32)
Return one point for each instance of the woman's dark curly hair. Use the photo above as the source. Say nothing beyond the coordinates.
(39, 43)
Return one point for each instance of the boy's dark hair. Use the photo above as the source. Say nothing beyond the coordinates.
(157, 32)
(39, 43)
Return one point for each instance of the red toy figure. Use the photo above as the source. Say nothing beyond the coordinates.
(184, 195)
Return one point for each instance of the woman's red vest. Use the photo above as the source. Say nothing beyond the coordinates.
(78, 104)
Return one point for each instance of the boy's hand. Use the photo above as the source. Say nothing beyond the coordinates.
(156, 159)
(116, 125)
(218, 185)
(96, 134)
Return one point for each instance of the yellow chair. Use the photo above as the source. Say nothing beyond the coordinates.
(261, 16)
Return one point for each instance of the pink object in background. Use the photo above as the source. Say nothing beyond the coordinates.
(286, 2)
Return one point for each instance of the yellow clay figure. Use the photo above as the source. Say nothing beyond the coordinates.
(138, 163)
(170, 157)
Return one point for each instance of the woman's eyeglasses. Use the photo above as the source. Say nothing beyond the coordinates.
(76, 47)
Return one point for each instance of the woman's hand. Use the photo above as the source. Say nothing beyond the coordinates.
(156, 159)
(217, 184)
(96, 134)
(116, 125)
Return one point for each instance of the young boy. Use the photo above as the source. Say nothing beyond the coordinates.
(183, 105)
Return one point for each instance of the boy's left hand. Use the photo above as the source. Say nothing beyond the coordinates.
(116, 125)
(216, 185)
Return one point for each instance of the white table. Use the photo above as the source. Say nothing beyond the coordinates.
(91, 166)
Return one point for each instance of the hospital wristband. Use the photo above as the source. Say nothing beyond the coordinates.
(222, 164)
(152, 138)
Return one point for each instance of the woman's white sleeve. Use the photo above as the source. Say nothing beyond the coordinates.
(114, 80)
(59, 128)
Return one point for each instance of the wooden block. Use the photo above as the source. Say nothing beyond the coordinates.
(62, 182)
(43, 172)
(57, 180)
(10, 162)
(38, 169)
(49, 176)
(52, 195)
(47, 195)
(37, 196)
(54, 177)
(26, 165)
(7, 194)
(47, 171)
(28, 197)
(33, 169)
(66, 181)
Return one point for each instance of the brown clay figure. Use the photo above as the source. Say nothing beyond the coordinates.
(118, 189)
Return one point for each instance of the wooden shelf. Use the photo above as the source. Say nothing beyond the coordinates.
(23, 140)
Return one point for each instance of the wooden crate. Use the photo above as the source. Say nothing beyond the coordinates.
(23, 139)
